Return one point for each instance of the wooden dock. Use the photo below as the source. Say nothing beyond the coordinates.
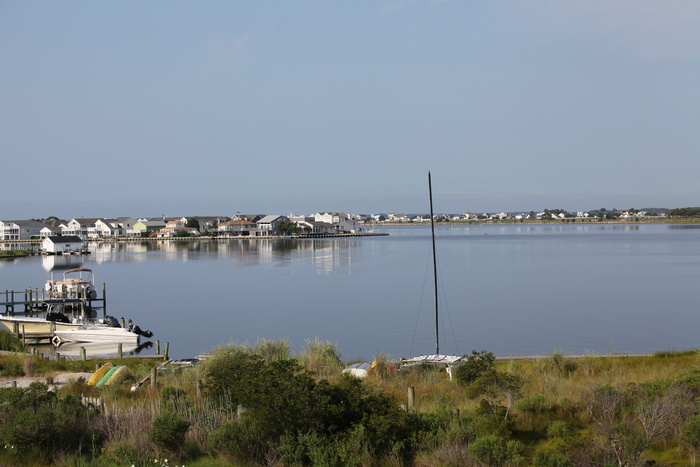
(36, 301)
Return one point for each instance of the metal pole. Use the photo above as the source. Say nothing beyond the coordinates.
(432, 232)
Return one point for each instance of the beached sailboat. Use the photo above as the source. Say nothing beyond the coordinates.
(436, 359)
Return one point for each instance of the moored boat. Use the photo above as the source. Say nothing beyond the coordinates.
(79, 285)
(38, 327)
(95, 332)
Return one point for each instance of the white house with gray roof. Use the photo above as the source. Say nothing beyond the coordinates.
(20, 230)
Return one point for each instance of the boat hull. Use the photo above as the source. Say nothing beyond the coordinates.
(106, 334)
(30, 326)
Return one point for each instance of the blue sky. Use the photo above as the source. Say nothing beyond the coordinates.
(136, 108)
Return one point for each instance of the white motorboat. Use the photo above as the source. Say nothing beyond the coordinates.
(95, 332)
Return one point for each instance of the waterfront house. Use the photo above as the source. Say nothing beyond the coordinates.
(82, 227)
(342, 222)
(62, 244)
(208, 222)
(49, 231)
(20, 230)
(315, 228)
(268, 225)
(247, 217)
(170, 231)
(238, 228)
(147, 226)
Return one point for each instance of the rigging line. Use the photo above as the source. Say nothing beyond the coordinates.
(447, 308)
(420, 302)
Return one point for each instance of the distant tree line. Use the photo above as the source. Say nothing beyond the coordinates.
(685, 212)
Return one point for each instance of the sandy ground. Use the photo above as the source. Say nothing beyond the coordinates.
(59, 379)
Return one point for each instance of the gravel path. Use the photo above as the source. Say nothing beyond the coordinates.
(59, 379)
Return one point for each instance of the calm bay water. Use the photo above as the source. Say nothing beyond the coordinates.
(513, 290)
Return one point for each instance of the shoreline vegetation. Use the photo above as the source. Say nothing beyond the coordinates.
(261, 405)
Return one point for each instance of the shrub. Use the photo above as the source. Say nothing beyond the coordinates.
(495, 451)
(557, 429)
(548, 459)
(36, 420)
(13, 368)
(475, 364)
(534, 404)
(168, 431)
(242, 440)
(11, 342)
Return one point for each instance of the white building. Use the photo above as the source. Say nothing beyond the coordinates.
(20, 230)
(58, 245)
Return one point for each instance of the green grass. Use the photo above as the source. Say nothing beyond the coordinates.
(555, 389)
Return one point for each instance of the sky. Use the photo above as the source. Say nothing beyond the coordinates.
(184, 108)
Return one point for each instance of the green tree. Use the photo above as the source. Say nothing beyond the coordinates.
(288, 227)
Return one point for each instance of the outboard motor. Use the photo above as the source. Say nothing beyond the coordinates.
(57, 317)
(111, 321)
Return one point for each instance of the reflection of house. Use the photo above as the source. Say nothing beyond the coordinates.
(237, 228)
(268, 225)
(19, 230)
(57, 245)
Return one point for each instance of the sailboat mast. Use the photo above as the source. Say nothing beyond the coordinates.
(432, 235)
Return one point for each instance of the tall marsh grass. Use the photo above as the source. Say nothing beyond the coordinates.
(322, 358)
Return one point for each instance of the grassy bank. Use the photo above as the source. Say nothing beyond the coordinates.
(261, 405)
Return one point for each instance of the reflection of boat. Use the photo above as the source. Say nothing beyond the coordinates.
(436, 359)
(37, 327)
(95, 332)
(82, 286)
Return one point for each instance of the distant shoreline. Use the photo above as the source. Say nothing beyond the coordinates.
(649, 220)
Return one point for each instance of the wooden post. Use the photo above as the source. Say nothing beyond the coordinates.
(153, 376)
(121, 321)
(104, 299)
(165, 352)
(83, 354)
(119, 351)
(411, 396)
(157, 347)
(57, 357)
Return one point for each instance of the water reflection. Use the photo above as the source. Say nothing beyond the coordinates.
(327, 255)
